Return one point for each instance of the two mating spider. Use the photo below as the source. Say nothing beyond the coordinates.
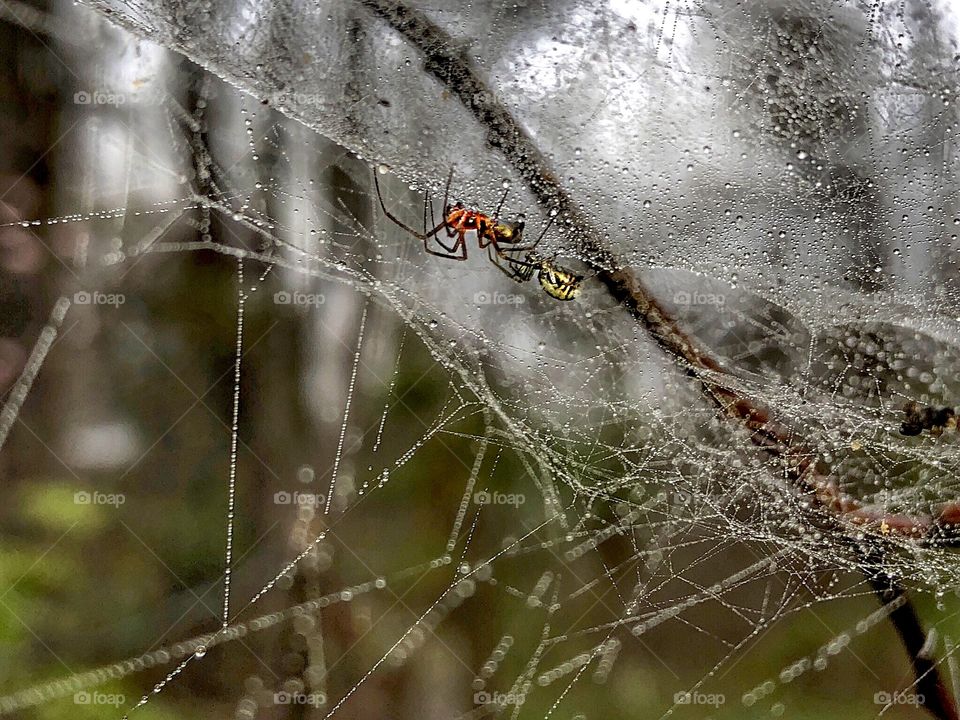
(500, 239)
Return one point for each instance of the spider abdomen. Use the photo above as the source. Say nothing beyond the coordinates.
(559, 282)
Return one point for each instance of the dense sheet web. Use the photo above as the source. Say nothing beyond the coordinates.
(501, 502)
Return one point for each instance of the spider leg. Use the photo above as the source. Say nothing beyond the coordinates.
(422, 236)
(461, 240)
(433, 221)
(457, 252)
(391, 216)
(510, 273)
(443, 224)
(446, 190)
(496, 213)
(400, 223)
(486, 239)
(426, 199)
(451, 232)
(517, 261)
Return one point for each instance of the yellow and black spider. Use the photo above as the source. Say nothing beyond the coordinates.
(556, 281)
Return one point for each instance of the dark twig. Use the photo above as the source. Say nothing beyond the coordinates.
(930, 684)
(845, 516)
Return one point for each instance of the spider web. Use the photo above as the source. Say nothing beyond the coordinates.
(414, 484)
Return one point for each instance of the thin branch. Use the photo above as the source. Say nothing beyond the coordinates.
(845, 516)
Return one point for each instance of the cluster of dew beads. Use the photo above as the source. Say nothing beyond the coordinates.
(489, 668)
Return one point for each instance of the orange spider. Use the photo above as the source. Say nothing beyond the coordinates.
(458, 220)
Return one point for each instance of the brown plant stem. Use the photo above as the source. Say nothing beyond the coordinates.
(846, 517)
